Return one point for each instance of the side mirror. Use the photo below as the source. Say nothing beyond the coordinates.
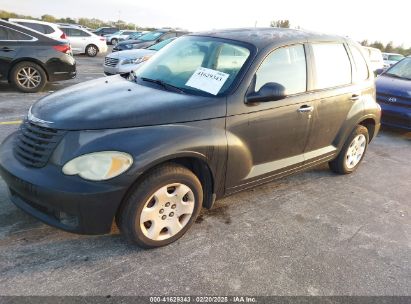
(379, 71)
(271, 91)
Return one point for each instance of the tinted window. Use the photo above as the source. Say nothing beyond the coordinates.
(286, 66)
(42, 28)
(77, 33)
(9, 34)
(361, 67)
(332, 65)
(168, 36)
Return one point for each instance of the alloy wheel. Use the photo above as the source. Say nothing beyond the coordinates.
(355, 151)
(28, 77)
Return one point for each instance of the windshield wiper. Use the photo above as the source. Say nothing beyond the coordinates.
(396, 76)
(165, 85)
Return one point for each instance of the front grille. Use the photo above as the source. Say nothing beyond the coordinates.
(112, 62)
(34, 144)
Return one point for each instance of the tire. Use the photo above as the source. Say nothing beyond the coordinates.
(28, 77)
(167, 196)
(114, 41)
(352, 152)
(91, 50)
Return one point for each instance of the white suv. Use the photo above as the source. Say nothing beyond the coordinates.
(49, 29)
(84, 42)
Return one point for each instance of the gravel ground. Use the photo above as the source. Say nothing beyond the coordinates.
(314, 233)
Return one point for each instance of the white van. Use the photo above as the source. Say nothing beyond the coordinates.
(375, 57)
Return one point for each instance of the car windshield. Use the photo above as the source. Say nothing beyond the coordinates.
(160, 45)
(395, 57)
(197, 65)
(116, 33)
(150, 36)
(401, 70)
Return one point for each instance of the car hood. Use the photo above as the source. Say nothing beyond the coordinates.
(114, 102)
(393, 86)
(131, 54)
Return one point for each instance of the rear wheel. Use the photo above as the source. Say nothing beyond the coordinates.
(91, 50)
(28, 77)
(114, 41)
(352, 152)
(162, 207)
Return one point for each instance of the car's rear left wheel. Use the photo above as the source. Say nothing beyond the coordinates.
(162, 207)
(352, 152)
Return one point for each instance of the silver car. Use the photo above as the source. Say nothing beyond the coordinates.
(126, 61)
(113, 39)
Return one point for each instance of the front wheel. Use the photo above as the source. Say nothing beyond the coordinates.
(91, 50)
(114, 41)
(162, 207)
(352, 152)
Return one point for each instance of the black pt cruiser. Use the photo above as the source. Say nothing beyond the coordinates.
(209, 115)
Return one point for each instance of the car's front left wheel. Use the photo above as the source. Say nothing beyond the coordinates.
(162, 207)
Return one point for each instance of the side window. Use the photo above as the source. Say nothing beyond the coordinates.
(78, 33)
(361, 66)
(332, 65)
(286, 66)
(9, 34)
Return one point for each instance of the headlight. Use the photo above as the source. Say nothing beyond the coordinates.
(99, 166)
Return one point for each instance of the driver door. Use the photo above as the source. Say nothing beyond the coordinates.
(267, 139)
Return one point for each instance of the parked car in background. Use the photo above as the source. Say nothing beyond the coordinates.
(29, 59)
(84, 42)
(148, 40)
(115, 38)
(126, 61)
(208, 116)
(133, 36)
(76, 25)
(49, 29)
(102, 31)
(375, 57)
(394, 94)
(391, 58)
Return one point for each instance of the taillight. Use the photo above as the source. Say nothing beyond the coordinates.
(64, 48)
(63, 36)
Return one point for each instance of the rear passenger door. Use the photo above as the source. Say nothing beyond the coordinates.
(333, 94)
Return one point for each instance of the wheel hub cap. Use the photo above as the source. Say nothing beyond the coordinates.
(167, 211)
(355, 151)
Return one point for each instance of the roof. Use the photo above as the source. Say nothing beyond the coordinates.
(262, 37)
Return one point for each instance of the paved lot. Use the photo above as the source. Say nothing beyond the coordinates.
(315, 233)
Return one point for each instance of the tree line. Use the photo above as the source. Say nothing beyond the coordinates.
(92, 23)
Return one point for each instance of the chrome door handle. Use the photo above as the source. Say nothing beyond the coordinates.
(305, 109)
(355, 97)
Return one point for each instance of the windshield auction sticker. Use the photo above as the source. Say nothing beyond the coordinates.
(207, 80)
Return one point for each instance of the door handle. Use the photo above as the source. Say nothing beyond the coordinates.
(305, 109)
(355, 97)
(6, 49)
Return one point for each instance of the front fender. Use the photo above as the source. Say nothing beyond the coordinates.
(152, 145)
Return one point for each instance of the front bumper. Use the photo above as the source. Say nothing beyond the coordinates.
(65, 202)
(395, 116)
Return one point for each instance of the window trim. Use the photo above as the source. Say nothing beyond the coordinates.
(33, 39)
(354, 63)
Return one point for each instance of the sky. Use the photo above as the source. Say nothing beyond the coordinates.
(357, 19)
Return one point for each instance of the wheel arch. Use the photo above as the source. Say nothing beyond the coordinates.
(28, 59)
(370, 124)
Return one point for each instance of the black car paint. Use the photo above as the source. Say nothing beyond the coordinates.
(58, 65)
(239, 144)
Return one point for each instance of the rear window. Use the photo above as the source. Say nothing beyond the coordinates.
(42, 28)
(7, 34)
(332, 65)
